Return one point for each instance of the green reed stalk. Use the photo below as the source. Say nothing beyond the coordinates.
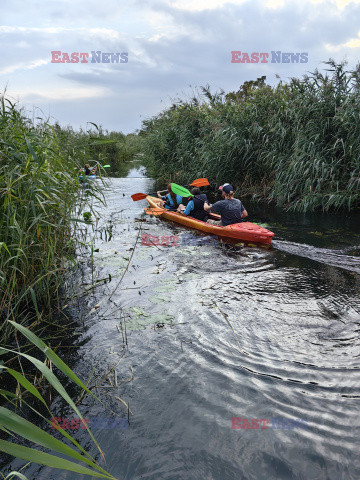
(294, 144)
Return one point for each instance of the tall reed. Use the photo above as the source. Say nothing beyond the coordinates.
(28, 394)
(296, 144)
(39, 186)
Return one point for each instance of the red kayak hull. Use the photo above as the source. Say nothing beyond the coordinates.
(245, 231)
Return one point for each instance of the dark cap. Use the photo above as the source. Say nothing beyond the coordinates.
(227, 188)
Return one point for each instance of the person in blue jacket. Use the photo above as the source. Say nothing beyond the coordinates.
(170, 201)
(195, 206)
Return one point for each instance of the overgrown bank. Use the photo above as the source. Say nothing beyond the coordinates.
(296, 144)
(99, 145)
(39, 224)
(39, 186)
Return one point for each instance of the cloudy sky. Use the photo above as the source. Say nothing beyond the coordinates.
(173, 47)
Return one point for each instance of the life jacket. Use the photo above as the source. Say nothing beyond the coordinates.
(167, 202)
(199, 212)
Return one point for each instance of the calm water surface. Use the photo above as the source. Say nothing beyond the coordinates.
(198, 335)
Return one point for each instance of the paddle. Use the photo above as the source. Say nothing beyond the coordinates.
(142, 196)
(178, 190)
(182, 191)
(199, 182)
(154, 211)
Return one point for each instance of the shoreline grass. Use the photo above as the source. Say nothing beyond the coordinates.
(38, 188)
(42, 204)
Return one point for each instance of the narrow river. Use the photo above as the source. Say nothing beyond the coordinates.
(210, 340)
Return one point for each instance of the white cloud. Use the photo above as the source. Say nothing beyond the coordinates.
(199, 5)
(340, 4)
(274, 4)
(352, 43)
(171, 44)
(59, 93)
(104, 33)
(23, 66)
(22, 44)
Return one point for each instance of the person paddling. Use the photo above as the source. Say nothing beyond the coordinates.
(195, 206)
(169, 201)
(231, 209)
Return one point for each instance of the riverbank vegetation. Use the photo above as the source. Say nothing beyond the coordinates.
(28, 400)
(42, 202)
(296, 144)
(100, 145)
(39, 186)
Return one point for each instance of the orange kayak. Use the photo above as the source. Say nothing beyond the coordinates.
(244, 231)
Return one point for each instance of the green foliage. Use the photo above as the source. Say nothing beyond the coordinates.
(39, 187)
(87, 216)
(296, 144)
(98, 147)
(12, 420)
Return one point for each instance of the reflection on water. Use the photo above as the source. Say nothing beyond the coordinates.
(214, 332)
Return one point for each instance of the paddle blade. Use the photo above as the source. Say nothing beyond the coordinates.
(200, 182)
(182, 191)
(138, 196)
(153, 211)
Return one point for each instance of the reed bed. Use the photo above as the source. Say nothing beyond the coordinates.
(39, 186)
(296, 144)
(39, 224)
